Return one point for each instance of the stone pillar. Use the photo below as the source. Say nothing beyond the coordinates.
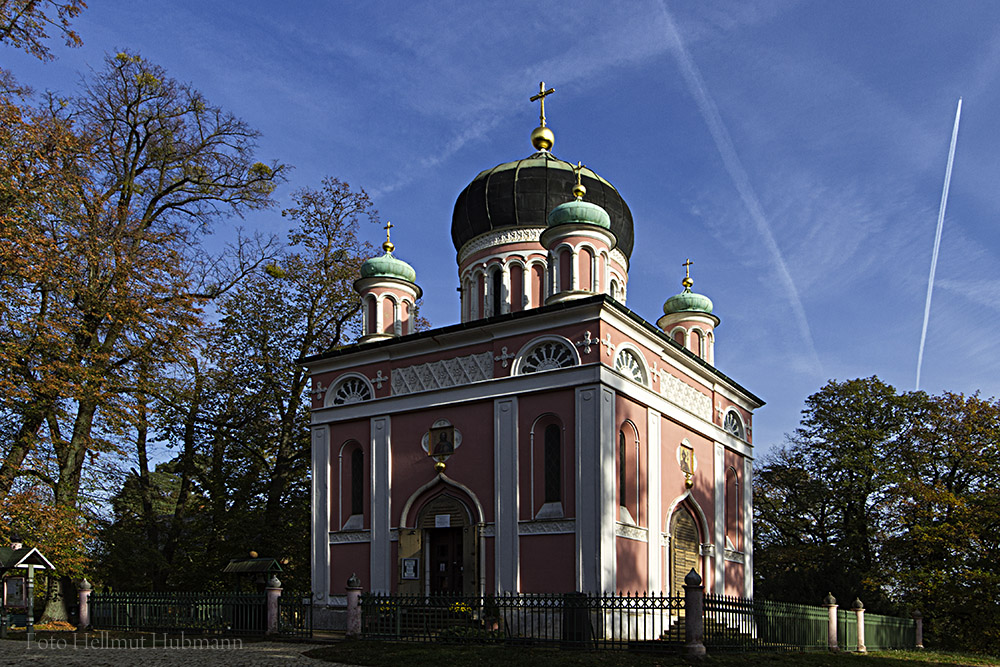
(85, 590)
(29, 628)
(859, 609)
(694, 616)
(830, 603)
(919, 618)
(353, 607)
(273, 592)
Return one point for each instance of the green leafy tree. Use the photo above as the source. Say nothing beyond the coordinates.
(822, 502)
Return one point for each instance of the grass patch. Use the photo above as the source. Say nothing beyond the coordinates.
(392, 654)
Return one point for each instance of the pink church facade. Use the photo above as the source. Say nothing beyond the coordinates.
(553, 440)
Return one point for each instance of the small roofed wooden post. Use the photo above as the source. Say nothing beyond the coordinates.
(261, 569)
(19, 557)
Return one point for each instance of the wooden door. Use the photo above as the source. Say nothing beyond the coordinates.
(446, 560)
(683, 550)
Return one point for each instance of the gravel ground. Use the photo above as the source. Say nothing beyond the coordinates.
(94, 651)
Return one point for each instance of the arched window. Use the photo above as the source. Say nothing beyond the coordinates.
(614, 290)
(546, 355)
(622, 470)
(516, 287)
(734, 424)
(357, 482)
(496, 290)
(630, 364)
(732, 509)
(553, 463)
(538, 278)
(349, 389)
(586, 270)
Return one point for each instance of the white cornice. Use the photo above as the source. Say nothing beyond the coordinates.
(499, 237)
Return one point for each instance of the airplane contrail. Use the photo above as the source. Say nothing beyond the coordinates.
(734, 166)
(937, 240)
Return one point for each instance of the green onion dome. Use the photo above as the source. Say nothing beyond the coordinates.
(579, 212)
(687, 302)
(388, 266)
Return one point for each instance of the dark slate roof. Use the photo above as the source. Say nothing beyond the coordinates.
(245, 565)
(521, 194)
(10, 558)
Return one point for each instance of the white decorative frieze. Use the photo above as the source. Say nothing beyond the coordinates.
(630, 532)
(546, 527)
(350, 537)
(685, 396)
(441, 374)
(504, 236)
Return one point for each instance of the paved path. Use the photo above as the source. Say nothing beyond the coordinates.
(92, 651)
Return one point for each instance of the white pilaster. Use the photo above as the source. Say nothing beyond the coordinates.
(506, 298)
(595, 490)
(748, 527)
(381, 476)
(719, 539)
(654, 509)
(574, 270)
(320, 514)
(505, 509)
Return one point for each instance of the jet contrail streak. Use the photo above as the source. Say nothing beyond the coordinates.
(734, 166)
(937, 240)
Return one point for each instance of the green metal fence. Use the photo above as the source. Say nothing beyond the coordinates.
(741, 624)
(636, 622)
(295, 614)
(223, 613)
(889, 632)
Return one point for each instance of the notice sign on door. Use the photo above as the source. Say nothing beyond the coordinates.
(442, 521)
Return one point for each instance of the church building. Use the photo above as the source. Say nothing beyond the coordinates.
(553, 440)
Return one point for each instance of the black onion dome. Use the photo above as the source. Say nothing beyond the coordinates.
(522, 193)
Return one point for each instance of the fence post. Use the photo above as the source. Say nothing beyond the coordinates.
(273, 591)
(354, 606)
(919, 618)
(830, 603)
(859, 609)
(85, 591)
(694, 615)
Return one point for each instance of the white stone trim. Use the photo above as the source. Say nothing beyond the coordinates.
(320, 514)
(654, 507)
(498, 238)
(719, 538)
(748, 527)
(595, 491)
(350, 537)
(442, 479)
(381, 476)
(630, 532)
(505, 508)
(443, 373)
(331, 391)
(547, 527)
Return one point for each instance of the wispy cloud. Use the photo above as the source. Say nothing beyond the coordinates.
(741, 180)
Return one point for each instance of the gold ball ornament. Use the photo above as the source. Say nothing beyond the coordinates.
(579, 190)
(542, 138)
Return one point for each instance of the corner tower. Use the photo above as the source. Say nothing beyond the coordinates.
(388, 292)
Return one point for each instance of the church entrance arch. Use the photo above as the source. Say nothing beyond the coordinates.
(438, 555)
(684, 549)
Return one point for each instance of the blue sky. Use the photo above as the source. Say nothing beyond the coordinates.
(795, 151)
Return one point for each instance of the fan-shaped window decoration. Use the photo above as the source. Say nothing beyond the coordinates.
(548, 356)
(734, 425)
(627, 363)
(351, 390)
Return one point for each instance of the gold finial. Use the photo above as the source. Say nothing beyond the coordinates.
(542, 137)
(579, 190)
(388, 246)
(687, 282)
(440, 466)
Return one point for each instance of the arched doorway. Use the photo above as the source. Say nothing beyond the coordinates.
(438, 555)
(684, 549)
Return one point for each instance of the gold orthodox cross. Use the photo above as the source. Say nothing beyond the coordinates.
(388, 226)
(578, 169)
(541, 96)
(687, 268)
